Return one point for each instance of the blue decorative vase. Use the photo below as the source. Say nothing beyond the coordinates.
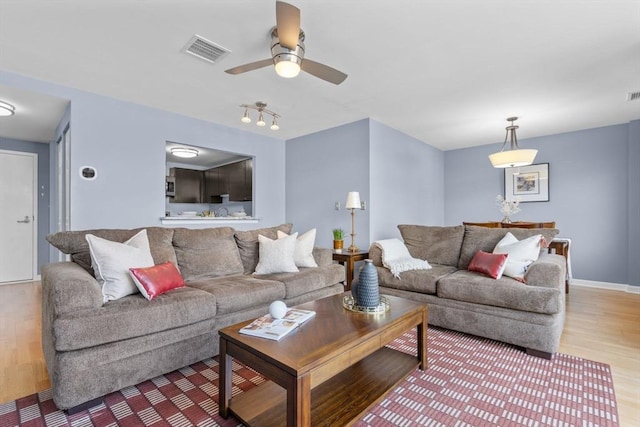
(365, 290)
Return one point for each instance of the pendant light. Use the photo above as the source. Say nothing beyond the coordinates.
(515, 156)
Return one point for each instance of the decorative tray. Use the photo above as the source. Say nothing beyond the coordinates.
(350, 304)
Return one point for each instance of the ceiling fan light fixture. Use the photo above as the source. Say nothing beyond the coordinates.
(185, 153)
(515, 156)
(287, 61)
(6, 109)
(287, 68)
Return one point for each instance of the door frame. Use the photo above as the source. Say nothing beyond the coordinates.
(34, 214)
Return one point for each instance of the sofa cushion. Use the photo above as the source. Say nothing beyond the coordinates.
(437, 245)
(303, 255)
(111, 262)
(475, 288)
(247, 242)
(421, 281)
(308, 279)
(209, 252)
(522, 253)
(485, 239)
(491, 265)
(277, 256)
(132, 316)
(156, 280)
(242, 292)
(74, 243)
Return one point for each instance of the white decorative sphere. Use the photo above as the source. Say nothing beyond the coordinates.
(278, 309)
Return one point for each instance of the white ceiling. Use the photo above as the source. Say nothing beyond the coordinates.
(447, 72)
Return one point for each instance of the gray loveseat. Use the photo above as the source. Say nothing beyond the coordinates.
(92, 348)
(529, 315)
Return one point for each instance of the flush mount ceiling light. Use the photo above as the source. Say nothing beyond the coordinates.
(260, 107)
(6, 109)
(185, 153)
(514, 156)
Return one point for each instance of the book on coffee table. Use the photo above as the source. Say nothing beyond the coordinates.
(274, 329)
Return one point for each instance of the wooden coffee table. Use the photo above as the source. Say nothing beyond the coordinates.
(329, 371)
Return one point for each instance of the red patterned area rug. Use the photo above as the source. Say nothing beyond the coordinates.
(470, 381)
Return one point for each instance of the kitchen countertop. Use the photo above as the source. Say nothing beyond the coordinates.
(169, 220)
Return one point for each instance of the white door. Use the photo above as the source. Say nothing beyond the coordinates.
(18, 178)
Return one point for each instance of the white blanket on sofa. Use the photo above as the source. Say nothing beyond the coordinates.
(397, 258)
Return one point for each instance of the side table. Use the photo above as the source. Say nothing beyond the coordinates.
(561, 247)
(348, 259)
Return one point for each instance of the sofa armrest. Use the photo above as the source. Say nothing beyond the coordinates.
(323, 256)
(67, 287)
(549, 271)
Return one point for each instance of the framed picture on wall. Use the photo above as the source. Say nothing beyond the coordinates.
(527, 183)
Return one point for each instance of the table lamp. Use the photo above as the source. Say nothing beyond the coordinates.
(353, 203)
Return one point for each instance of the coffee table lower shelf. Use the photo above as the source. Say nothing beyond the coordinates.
(340, 400)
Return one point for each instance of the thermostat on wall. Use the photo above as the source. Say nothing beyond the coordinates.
(88, 172)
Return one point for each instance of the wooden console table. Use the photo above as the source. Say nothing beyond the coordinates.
(559, 246)
(348, 259)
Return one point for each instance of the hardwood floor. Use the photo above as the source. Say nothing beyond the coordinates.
(601, 325)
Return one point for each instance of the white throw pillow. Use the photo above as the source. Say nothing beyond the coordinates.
(522, 253)
(111, 262)
(276, 256)
(303, 255)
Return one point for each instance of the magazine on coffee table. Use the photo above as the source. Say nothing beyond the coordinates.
(274, 329)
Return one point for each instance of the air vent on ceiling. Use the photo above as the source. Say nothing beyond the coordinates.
(633, 96)
(205, 49)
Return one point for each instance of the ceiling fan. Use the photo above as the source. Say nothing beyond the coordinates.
(287, 50)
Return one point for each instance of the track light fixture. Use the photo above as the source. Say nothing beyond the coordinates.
(261, 108)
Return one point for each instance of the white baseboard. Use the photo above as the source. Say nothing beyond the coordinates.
(605, 285)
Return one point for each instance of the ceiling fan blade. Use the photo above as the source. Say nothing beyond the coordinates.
(288, 24)
(250, 66)
(323, 72)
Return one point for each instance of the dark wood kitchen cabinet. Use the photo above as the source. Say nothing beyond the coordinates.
(215, 185)
(241, 181)
(189, 185)
(208, 186)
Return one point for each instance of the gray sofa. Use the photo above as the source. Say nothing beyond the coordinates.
(92, 348)
(529, 315)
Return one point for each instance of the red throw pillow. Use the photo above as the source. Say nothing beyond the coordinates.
(490, 264)
(156, 280)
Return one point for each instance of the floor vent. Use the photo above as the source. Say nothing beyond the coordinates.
(205, 49)
(633, 96)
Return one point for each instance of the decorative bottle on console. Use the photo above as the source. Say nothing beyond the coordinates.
(366, 292)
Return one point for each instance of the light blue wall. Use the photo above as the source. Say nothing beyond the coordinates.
(406, 182)
(592, 195)
(400, 178)
(42, 150)
(125, 142)
(633, 248)
(321, 169)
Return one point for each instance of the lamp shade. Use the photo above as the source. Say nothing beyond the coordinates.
(353, 200)
(513, 158)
